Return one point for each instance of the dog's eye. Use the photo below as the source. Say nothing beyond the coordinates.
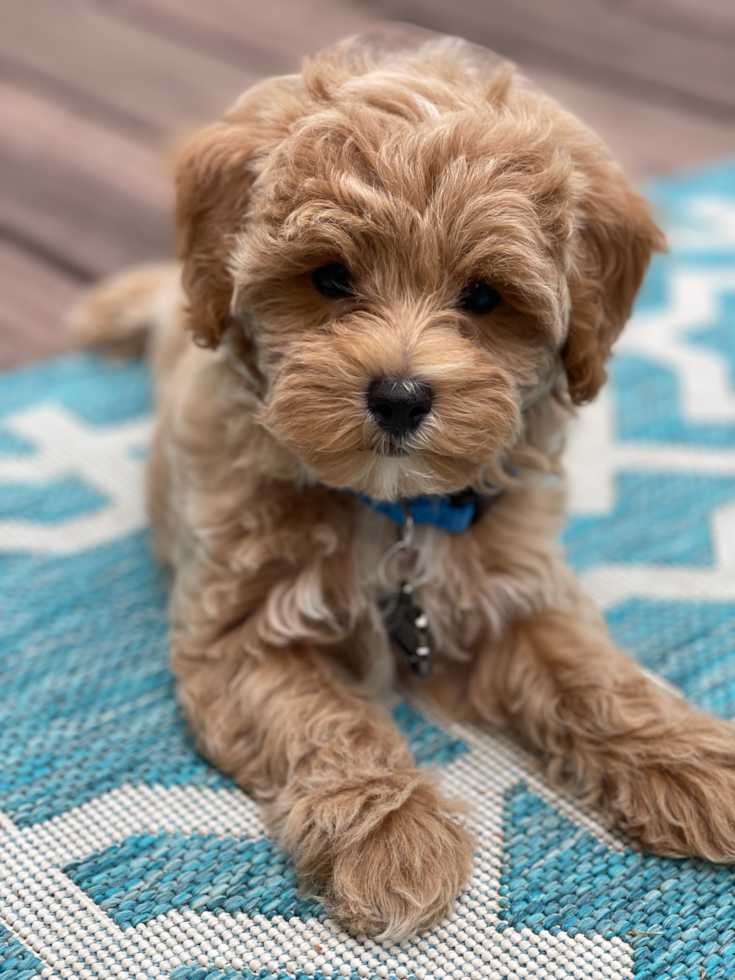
(333, 281)
(479, 298)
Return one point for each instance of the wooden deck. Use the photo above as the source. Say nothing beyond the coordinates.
(92, 92)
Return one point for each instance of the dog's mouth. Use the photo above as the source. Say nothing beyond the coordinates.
(394, 450)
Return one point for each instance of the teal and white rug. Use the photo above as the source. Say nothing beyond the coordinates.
(123, 855)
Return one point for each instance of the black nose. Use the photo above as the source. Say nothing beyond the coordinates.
(399, 407)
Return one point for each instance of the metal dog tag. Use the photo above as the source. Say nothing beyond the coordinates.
(408, 625)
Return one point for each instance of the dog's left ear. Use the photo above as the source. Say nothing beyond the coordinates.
(615, 240)
(214, 178)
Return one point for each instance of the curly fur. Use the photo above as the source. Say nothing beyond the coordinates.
(420, 168)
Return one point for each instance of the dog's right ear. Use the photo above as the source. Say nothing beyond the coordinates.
(213, 182)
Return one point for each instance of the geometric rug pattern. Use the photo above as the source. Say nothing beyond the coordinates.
(124, 855)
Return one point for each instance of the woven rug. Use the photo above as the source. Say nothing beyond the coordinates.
(123, 854)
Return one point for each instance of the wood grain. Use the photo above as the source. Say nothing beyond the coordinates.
(87, 196)
(272, 37)
(92, 91)
(153, 82)
(35, 294)
(596, 39)
(703, 18)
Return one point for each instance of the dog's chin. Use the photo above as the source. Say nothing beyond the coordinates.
(353, 456)
(393, 452)
(393, 473)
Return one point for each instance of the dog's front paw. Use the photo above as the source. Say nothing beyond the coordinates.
(385, 855)
(684, 806)
(406, 873)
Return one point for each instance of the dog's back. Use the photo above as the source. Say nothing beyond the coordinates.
(140, 311)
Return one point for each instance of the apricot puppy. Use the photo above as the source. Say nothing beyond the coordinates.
(401, 270)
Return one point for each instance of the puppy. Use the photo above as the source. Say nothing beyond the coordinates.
(401, 270)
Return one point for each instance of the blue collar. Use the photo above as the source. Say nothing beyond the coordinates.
(451, 513)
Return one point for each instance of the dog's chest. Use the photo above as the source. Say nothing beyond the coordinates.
(420, 592)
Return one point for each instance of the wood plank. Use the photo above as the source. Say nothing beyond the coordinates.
(702, 18)
(35, 296)
(36, 127)
(592, 39)
(140, 76)
(93, 198)
(82, 188)
(75, 220)
(271, 38)
(647, 136)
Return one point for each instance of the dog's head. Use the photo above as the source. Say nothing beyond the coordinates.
(408, 250)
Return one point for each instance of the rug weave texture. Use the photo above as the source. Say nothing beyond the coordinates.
(124, 855)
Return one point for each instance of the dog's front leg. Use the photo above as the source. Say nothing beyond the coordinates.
(340, 789)
(653, 765)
